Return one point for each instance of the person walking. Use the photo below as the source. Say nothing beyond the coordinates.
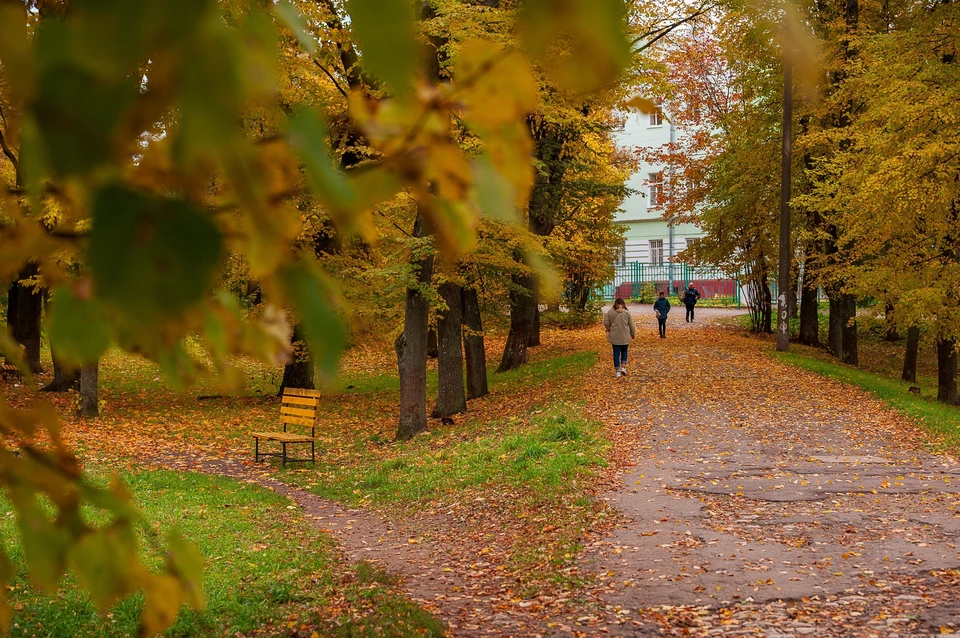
(661, 307)
(690, 297)
(620, 330)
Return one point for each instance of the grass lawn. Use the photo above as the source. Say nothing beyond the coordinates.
(266, 571)
(526, 452)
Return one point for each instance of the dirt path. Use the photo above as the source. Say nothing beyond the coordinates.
(432, 573)
(765, 500)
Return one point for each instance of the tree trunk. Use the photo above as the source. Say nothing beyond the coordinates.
(848, 314)
(12, 291)
(835, 337)
(795, 291)
(911, 356)
(473, 345)
(809, 316)
(64, 379)
(411, 347)
(947, 372)
(533, 335)
(298, 373)
(891, 333)
(450, 393)
(433, 348)
(26, 316)
(89, 400)
(515, 352)
(767, 307)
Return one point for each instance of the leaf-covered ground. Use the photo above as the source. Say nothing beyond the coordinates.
(712, 491)
(767, 500)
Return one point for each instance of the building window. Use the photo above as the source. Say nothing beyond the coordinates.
(655, 189)
(656, 251)
(621, 257)
(692, 241)
(656, 117)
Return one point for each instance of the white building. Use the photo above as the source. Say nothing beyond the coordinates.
(649, 239)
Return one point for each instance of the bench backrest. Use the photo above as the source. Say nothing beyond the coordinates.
(299, 407)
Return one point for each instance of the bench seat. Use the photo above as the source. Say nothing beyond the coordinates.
(298, 407)
(283, 436)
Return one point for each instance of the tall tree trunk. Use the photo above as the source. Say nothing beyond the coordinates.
(89, 395)
(533, 336)
(411, 347)
(891, 333)
(515, 352)
(795, 291)
(947, 372)
(912, 355)
(451, 398)
(473, 344)
(809, 316)
(26, 324)
(298, 373)
(835, 336)
(848, 313)
(767, 307)
(433, 348)
(64, 379)
(12, 291)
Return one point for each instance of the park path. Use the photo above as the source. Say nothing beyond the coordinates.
(760, 499)
(751, 499)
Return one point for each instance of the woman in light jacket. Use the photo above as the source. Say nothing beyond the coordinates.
(620, 330)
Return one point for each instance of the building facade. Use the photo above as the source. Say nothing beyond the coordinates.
(649, 239)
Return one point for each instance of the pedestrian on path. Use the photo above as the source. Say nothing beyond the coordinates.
(689, 299)
(620, 330)
(661, 307)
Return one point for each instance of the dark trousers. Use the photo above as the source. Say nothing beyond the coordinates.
(620, 355)
(662, 324)
(690, 313)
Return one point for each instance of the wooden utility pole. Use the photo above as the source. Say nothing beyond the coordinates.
(783, 279)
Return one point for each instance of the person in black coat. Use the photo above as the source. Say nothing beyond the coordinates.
(690, 296)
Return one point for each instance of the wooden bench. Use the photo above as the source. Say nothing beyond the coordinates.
(8, 370)
(298, 407)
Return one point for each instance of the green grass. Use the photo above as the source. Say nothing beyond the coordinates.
(543, 455)
(939, 418)
(263, 566)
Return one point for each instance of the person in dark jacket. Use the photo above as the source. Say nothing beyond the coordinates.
(661, 307)
(690, 297)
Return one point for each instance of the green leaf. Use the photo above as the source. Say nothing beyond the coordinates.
(151, 257)
(185, 560)
(494, 195)
(325, 332)
(44, 544)
(104, 562)
(308, 134)
(77, 329)
(77, 115)
(291, 17)
(385, 33)
(594, 49)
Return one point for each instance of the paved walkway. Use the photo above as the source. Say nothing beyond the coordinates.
(765, 500)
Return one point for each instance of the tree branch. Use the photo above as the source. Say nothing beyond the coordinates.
(659, 33)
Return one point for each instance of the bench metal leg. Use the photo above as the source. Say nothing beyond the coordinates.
(284, 443)
(256, 449)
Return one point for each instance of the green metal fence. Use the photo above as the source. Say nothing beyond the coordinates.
(636, 280)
